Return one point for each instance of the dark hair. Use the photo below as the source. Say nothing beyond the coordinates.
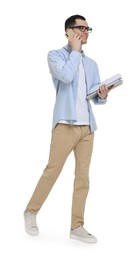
(71, 20)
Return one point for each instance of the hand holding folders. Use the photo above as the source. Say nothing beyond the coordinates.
(111, 83)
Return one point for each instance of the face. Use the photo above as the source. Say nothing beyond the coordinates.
(83, 35)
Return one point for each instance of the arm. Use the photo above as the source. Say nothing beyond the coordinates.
(62, 69)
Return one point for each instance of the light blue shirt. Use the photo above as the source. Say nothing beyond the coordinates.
(64, 68)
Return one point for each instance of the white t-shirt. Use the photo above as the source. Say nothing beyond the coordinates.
(81, 102)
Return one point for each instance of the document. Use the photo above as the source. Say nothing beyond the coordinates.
(111, 83)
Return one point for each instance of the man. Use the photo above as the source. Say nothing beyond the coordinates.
(73, 75)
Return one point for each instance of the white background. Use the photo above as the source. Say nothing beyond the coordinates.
(28, 30)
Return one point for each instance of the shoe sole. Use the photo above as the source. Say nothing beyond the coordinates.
(32, 234)
(82, 239)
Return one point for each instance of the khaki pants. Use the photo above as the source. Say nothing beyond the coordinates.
(66, 138)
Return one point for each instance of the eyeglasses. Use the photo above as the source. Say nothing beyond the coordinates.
(82, 28)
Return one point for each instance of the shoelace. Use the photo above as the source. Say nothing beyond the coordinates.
(84, 231)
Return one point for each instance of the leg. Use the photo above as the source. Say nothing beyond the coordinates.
(83, 152)
(62, 143)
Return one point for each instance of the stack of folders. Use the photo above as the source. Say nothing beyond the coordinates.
(111, 83)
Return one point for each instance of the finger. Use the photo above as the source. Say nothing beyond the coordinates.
(78, 37)
(104, 89)
(101, 89)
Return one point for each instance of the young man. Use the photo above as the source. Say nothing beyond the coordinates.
(73, 75)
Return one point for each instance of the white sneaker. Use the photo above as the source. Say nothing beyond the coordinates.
(81, 234)
(30, 223)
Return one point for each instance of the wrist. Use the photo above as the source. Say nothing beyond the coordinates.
(76, 49)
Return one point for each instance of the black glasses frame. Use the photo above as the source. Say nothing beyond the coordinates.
(82, 28)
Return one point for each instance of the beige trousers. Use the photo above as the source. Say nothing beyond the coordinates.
(66, 138)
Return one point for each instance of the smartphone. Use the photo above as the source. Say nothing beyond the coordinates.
(70, 34)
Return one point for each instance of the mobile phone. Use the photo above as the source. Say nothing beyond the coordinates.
(70, 34)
